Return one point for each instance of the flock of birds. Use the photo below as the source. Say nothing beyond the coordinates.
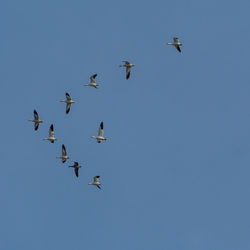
(99, 138)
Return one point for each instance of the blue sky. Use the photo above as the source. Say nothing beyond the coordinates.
(175, 172)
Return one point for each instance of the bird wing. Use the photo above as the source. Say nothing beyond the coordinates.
(68, 96)
(76, 172)
(128, 69)
(178, 48)
(100, 131)
(92, 78)
(68, 108)
(51, 131)
(176, 40)
(36, 125)
(126, 62)
(36, 115)
(64, 153)
(98, 186)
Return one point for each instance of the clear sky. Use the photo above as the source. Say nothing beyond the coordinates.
(175, 171)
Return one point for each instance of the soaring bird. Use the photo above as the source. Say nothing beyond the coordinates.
(64, 156)
(100, 137)
(96, 182)
(51, 137)
(69, 101)
(92, 82)
(36, 120)
(128, 66)
(76, 166)
(176, 43)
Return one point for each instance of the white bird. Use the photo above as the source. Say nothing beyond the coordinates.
(128, 66)
(100, 137)
(36, 120)
(76, 166)
(96, 182)
(176, 43)
(51, 137)
(64, 156)
(92, 82)
(69, 101)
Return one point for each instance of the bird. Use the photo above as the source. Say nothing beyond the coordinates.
(64, 156)
(36, 120)
(92, 82)
(100, 137)
(69, 101)
(128, 66)
(96, 182)
(51, 137)
(76, 166)
(176, 43)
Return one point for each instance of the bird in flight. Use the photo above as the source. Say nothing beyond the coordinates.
(76, 166)
(96, 182)
(128, 66)
(92, 82)
(69, 101)
(176, 44)
(36, 120)
(51, 137)
(100, 136)
(64, 156)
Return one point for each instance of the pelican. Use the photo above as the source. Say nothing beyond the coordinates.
(92, 82)
(100, 137)
(51, 137)
(176, 43)
(69, 101)
(64, 156)
(36, 120)
(128, 66)
(76, 166)
(96, 182)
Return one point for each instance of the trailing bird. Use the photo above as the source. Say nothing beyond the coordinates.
(100, 137)
(69, 101)
(92, 82)
(96, 182)
(176, 43)
(64, 156)
(128, 66)
(76, 166)
(51, 137)
(36, 120)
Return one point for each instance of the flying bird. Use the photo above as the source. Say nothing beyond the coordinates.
(176, 43)
(51, 137)
(69, 101)
(76, 166)
(100, 137)
(96, 182)
(64, 156)
(36, 120)
(92, 82)
(128, 66)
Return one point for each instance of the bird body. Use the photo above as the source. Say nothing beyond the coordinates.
(176, 44)
(51, 137)
(128, 66)
(64, 156)
(69, 101)
(76, 166)
(100, 136)
(92, 82)
(36, 120)
(96, 182)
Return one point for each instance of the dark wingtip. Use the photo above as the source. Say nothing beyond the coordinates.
(98, 176)
(101, 125)
(52, 127)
